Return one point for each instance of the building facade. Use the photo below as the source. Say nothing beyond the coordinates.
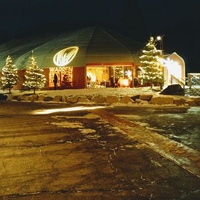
(89, 57)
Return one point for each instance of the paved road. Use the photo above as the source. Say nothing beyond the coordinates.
(82, 155)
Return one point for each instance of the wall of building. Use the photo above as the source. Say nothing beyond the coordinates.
(79, 77)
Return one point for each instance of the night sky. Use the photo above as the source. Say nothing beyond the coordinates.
(177, 20)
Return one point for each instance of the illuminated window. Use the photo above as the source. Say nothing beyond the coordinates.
(101, 76)
(64, 74)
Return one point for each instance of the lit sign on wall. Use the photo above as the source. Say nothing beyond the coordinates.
(65, 56)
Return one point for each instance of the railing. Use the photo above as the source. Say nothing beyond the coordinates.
(193, 83)
(178, 81)
(193, 79)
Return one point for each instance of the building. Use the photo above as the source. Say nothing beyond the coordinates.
(174, 70)
(89, 57)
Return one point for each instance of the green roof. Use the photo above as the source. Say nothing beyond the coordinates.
(95, 46)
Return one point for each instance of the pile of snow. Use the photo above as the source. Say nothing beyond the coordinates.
(93, 91)
(114, 96)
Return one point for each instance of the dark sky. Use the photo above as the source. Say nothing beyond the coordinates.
(177, 20)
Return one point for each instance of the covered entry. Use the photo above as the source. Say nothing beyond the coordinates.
(65, 77)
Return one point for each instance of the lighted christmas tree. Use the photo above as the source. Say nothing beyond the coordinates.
(34, 77)
(9, 76)
(151, 69)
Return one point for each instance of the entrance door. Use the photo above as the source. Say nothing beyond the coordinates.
(65, 77)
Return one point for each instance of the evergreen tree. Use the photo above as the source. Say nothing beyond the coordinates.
(34, 77)
(151, 69)
(9, 76)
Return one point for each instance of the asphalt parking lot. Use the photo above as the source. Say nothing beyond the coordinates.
(82, 154)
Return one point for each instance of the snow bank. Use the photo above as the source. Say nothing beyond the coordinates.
(144, 96)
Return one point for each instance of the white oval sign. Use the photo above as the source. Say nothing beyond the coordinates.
(65, 56)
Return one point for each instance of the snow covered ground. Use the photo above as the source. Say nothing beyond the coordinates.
(183, 127)
(179, 126)
(93, 91)
(64, 95)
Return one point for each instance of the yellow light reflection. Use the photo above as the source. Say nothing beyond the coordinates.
(57, 110)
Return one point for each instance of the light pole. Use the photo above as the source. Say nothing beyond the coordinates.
(160, 39)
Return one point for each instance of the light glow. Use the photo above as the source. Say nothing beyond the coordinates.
(57, 110)
(65, 56)
(123, 82)
(159, 38)
(173, 67)
(92, 76)
(128, 73)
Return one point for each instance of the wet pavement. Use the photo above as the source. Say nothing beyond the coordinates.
(179, 124)
(84, 154)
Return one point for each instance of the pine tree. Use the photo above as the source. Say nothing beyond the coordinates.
(152, 73)
(34, 77)
(9, 76)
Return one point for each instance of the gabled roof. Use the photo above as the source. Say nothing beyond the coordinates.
(95, 46)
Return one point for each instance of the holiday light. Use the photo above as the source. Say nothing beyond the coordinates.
(151, 70)
(128, 73)
(34, 77)
(9, 76)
